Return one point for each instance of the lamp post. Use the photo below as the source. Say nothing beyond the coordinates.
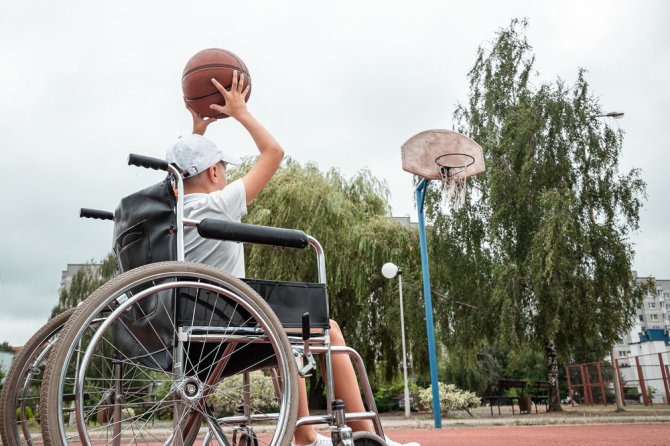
(390, 270)
(615, 369)
(614, 114)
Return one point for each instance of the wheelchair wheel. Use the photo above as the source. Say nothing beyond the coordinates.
(172, 352)
(20, 398)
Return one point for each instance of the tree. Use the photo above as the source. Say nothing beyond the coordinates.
(88, 279)
(543, 253)
(4, 347)
(351, 219)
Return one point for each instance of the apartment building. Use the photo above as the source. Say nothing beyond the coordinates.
(652, 320)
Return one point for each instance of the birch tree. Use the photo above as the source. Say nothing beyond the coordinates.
(542, 248)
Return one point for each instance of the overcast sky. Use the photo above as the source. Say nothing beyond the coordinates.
(342, 84)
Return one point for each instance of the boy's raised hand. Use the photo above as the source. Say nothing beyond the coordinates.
(235, 104)
(199, 123)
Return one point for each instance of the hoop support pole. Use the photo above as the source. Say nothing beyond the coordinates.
(428, 303)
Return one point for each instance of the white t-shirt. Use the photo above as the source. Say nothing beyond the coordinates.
(229, 204)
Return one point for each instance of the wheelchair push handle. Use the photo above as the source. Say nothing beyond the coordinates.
(147, 161)
(246, 233)
(95, 213)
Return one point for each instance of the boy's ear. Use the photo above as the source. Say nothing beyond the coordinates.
(212, 173)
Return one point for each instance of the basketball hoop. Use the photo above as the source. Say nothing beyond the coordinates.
(450, 157)
(451, 166)
(447, 156)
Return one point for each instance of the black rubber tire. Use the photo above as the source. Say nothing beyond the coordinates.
(21, 370)
(247, 440)
(367, 439)
(86, 321)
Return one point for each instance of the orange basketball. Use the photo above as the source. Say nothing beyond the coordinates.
(199, 92)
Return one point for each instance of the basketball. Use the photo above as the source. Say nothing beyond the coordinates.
(196, 83)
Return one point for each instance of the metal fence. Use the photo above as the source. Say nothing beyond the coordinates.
(643, 379)
(590, 383)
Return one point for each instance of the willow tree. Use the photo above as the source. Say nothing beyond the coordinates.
(541, 250)
(351, 219)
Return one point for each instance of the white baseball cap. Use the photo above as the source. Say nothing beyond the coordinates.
(195, 153)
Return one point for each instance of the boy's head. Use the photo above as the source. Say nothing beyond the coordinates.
(193, 154)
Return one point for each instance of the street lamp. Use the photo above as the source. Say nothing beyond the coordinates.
(614, 114)
(615, 369)
(390, 270)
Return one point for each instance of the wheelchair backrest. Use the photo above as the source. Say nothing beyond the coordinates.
(145, 231)
(145, 227)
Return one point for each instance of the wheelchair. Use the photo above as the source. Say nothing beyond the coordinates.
(180, 353)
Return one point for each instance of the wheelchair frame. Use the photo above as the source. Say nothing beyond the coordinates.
(336, 415)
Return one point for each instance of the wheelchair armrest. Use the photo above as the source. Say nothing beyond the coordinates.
(246, 233)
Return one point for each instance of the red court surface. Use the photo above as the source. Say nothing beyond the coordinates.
(656, 434)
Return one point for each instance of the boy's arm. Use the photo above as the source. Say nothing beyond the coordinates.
(271, 152)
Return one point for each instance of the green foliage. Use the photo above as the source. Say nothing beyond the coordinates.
(481, 376)
(350, 219)
(5, 347)
(651, 391)
(540, 253)
(228, 394)
(385, 403)
(29, 413)
(632, 391)
(526, 364)
(385, 393)
(85, 281)
(451, 398)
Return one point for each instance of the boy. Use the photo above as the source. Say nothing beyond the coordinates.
(208, 194)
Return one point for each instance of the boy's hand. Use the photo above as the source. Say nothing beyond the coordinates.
(235, 105)
(199, 123)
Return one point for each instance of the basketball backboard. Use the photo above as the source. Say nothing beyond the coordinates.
(427, 153)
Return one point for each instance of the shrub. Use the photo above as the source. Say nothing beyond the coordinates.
(651, 391)
(385, 404)
(29, 413)
(451, 398)
(127, 413)
(228, 394)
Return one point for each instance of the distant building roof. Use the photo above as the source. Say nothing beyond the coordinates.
(406, 222)
(71, 270)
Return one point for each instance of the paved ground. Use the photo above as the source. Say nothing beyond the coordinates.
(574, 426)
(482, 417)
(656, 434)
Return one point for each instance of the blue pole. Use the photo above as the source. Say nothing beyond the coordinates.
(437, 412)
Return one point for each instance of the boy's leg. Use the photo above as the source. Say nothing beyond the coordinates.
(346, 382)
(346, 389)
(304, 434)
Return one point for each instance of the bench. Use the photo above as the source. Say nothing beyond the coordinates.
(541, 386)
(541, 390)
(502, 400)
